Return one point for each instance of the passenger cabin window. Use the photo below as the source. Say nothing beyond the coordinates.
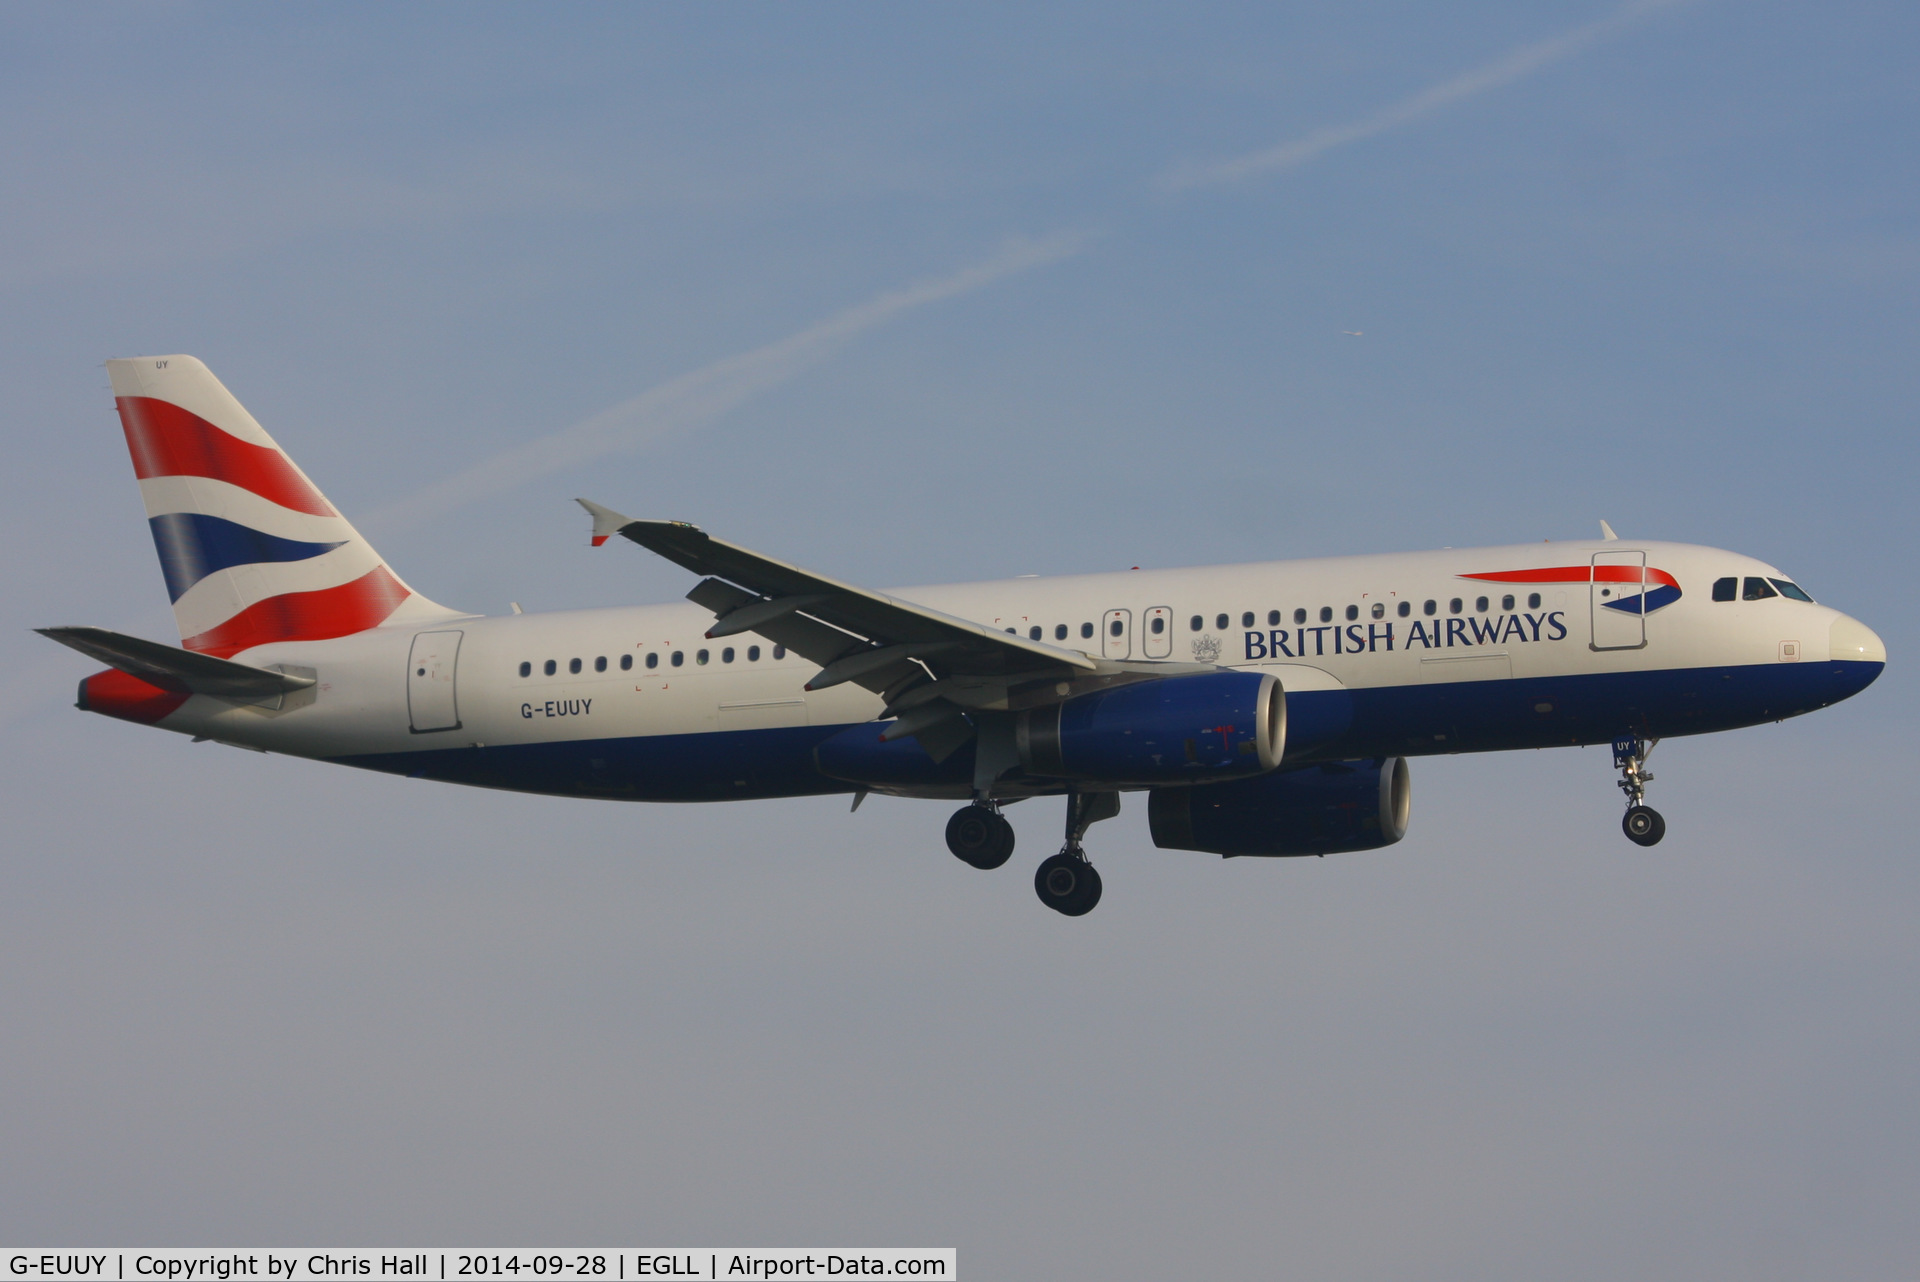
(1379, 609)
(1157, 626)
(526, 669)
(1406, 608)
(1273, 618)
(1453, 606)
(1086, 630)
(1506, 602)
(779, 652)
(1726, 589)
(753, 654)
(1116, 627)
(1220, 621)
(1300, 615)
(1196, 623)
(1033, 633)
(600, 663)
(1429, 607)
(573, 665)
(726, 655)
(1480, 604)
(701, 656)
(679, 658)
(1533, 600)
(626, 663)
(1326, 614)
(1353, 612)
(1792, 591)
(653, 660)
(1060, 632)
(549, 667)
(1757, 590)
(1246, 620)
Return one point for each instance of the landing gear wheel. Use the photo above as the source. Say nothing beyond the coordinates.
(1068, 884)
(981, 836)
(1643, 825)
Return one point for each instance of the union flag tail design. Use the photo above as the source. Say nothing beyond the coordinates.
(252, 552)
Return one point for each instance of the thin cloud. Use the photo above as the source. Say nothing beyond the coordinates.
(1517, 65)
(698, 398)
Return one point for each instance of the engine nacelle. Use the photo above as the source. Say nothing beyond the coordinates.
(1212, 725)
(1321, 810)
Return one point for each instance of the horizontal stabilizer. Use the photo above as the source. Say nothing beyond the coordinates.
(180, 671)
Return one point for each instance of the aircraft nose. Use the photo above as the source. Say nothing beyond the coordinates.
(1853, 641)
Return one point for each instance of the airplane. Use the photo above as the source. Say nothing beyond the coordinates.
(1265, 709)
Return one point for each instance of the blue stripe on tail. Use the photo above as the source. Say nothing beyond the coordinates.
(193, 545)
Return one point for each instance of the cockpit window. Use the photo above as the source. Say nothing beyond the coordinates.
(1756, 589)
(1792, 591)
(1726, 589)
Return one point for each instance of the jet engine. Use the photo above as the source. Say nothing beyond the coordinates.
(1320, 810)
(1213, 725)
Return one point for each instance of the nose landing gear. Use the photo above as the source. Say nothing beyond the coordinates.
(1642, 823)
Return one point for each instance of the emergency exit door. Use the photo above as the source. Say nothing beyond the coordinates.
(432, 702)
(1156, 639)
(1116, 634)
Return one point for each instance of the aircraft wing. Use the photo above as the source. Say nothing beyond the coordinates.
(929, 666)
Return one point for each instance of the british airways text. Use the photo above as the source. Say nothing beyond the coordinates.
(1432, 634)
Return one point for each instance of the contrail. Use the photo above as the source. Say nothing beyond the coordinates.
(1522, 62)
(701, 396)
(697, 398)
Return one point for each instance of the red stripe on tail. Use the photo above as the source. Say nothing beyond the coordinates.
(166, 440)
(306, 616)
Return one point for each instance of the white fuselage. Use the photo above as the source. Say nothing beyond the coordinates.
(647, 673)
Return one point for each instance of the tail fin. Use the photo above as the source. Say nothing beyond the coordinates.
(252, 551)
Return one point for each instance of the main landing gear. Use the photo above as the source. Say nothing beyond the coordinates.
(1642, 823)
(1067, 883)
(980, 835)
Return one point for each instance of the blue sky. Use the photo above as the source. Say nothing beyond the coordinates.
(916, 294)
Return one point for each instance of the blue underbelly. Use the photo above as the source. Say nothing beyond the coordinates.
(1466, 716)
(1546, 712)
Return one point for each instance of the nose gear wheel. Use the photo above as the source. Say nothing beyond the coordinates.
(1643, 825)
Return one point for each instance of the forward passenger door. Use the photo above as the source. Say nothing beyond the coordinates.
(1619, 600)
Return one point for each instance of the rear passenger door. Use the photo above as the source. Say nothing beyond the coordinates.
(431, 666)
